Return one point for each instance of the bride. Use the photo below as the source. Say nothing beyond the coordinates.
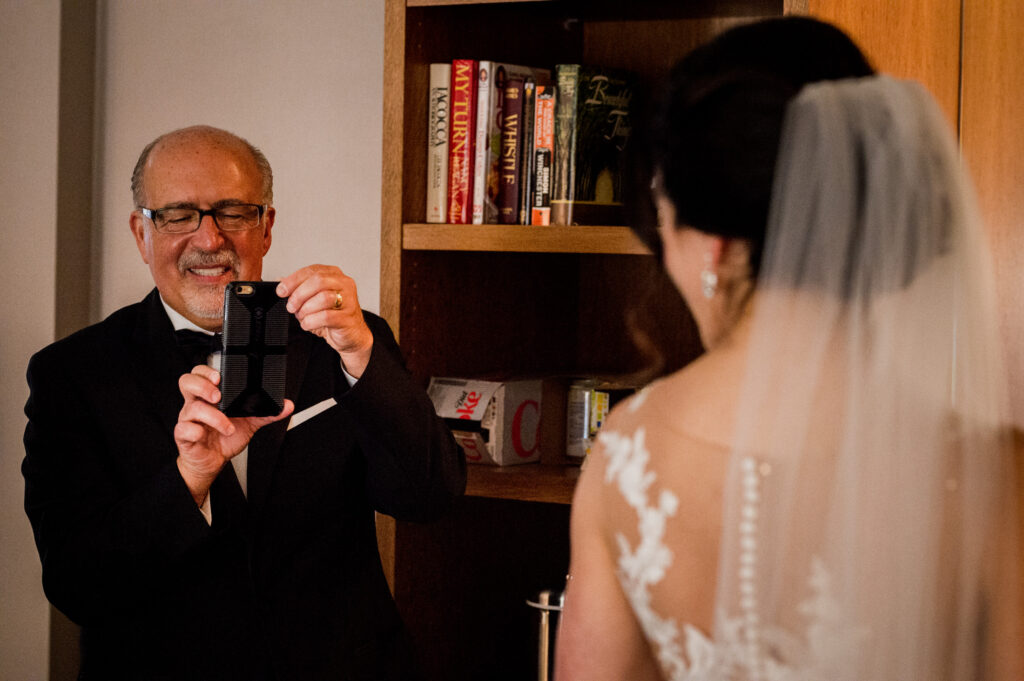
(827, 492)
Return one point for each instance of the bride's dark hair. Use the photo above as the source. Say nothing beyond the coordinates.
(714, 134)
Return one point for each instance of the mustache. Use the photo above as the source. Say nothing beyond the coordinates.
(220, 258)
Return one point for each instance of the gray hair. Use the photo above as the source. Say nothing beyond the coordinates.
(262, 164)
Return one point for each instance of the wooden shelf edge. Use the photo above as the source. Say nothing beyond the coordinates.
(547, 483)
(609, 239)
(445, 3)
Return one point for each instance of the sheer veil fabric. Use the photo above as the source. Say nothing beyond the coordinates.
(869, 479)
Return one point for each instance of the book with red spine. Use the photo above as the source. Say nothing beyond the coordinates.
(461, 127)
(543, 154)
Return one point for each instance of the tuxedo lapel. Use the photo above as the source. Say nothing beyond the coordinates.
(265, 446)
(157, 362)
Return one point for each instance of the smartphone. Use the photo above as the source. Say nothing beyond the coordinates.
(254, 356)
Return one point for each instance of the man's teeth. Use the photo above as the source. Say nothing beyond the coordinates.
(209, 271)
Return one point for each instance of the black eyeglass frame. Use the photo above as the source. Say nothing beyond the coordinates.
(261, 210)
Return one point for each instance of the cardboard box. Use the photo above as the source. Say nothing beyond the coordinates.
(495, 422)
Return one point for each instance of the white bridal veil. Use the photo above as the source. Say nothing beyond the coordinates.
(868, 489)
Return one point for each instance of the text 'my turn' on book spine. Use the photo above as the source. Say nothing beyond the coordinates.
(592, 126)
(461, 124)
(543, 154)
(437, 142)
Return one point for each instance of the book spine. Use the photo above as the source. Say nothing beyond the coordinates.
(462, 120)
(543, 154)
(526, 152)
(486, 94)
(437, 142)
(563, 168)
(508, 166)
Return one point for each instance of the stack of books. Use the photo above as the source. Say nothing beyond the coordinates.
(511, 144)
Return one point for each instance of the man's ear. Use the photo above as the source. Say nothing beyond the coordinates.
(268, 225)
(138, 226)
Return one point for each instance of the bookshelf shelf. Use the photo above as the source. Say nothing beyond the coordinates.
(522, 239)
(544, 483)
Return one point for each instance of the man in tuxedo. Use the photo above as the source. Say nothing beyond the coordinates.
(190, 545)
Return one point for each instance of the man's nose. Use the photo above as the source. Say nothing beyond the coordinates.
(208, 233)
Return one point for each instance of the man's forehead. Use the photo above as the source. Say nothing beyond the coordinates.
(197, 174)
(200, 142)
(227, 159)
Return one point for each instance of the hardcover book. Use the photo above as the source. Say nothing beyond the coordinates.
(437, 142)
(592, 127)
(491, 81)
(461, 124)
(509, 165)
(543, 152)
(526, 152)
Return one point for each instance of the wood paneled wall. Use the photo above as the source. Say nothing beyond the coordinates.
(992, 137)
(917, 39)
(970, 54)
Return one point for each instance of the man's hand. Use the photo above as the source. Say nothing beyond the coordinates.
(324, 301)
(206, 438)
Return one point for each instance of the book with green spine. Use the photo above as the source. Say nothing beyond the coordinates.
(592, 127)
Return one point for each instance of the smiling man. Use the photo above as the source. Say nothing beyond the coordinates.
(190, 545)
(192, 261)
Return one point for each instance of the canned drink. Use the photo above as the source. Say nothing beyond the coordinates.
(578, 418)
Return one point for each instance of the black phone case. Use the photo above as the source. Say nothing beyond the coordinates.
(252, 363)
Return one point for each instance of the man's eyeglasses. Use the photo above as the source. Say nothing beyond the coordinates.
(233, 218)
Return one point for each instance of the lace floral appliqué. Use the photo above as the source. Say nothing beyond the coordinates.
(739, 650)
(644, 566)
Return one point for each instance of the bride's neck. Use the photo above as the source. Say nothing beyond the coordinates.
(732, 323)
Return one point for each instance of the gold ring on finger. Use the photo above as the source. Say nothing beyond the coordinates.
(337, 300)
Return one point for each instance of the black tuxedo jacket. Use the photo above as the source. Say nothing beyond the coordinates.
(285, 585)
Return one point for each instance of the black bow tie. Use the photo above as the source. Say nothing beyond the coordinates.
(196, 345)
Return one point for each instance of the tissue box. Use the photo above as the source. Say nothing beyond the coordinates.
(495, 422)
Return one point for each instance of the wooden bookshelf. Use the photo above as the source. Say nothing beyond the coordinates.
(483, 300)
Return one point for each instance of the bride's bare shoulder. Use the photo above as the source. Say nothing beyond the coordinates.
(695, 404)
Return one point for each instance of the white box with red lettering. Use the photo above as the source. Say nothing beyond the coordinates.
(495, 422)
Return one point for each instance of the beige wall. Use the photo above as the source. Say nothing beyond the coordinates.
(302, 80)
(29, 34)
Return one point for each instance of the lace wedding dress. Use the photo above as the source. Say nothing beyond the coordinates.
(865, 476)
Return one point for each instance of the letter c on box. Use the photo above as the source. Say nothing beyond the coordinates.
(517, 425)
